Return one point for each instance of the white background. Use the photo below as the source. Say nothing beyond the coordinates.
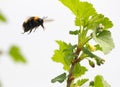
(38, 46)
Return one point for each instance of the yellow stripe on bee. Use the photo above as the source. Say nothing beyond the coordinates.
(26, 21)
(36, 18)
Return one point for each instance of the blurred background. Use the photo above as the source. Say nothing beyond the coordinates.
(38, 47)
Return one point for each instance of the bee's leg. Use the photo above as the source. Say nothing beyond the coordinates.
(30, 31)
(43, 26)
(35, 28)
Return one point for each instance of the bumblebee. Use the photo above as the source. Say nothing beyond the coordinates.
(33, 23)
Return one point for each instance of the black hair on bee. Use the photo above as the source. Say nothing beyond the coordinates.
(33, 23)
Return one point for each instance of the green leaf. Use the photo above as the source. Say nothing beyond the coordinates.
(79, 70)
(98, 47)
(99, 19)
(81, 82)
(59, 78)
(91, 84)
(16, 54)
(2, 18)
(100, 82)
(85, 10)
(71, 4)
(76, 32)
(105, 41)
(82, 10)
(64, 54)
(99, 60)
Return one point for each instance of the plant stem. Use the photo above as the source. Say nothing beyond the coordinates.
(81, 37)
(70, 76)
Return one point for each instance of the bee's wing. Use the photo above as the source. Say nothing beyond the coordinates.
(48, 20)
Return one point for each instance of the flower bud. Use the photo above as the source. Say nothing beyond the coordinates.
(91, 63)
(92, 48)
(100, 26)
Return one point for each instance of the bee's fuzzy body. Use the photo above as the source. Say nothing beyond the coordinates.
(32, 23)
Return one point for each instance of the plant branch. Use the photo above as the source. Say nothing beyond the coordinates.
(70, 76)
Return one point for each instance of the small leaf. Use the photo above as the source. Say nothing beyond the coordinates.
(59, 78)
(79, 70)
(16, 54)
(98, 47)
(105, 41)
(2, 18)
(91, 84)
(59, 54)
(91, 55)
(99, 19)
(64, 54)
(100, 82)
(81, 82)
(76, 32)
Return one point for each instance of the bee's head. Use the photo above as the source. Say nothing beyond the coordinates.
(41, 21)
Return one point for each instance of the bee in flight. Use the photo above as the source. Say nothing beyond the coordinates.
(33, 23)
